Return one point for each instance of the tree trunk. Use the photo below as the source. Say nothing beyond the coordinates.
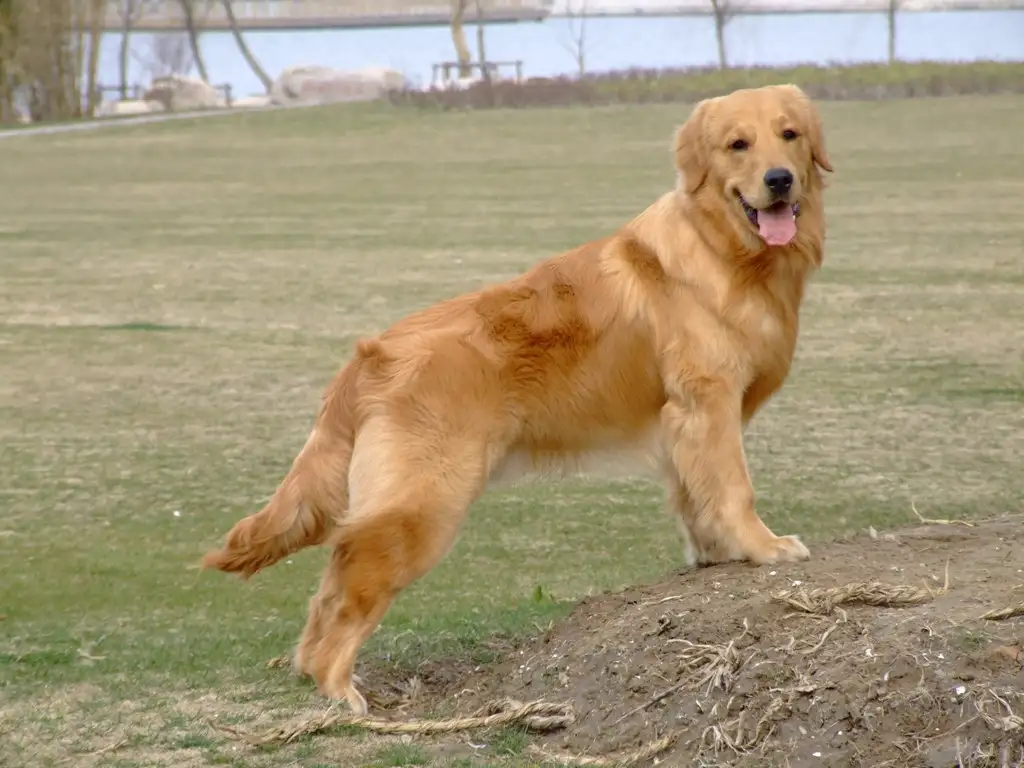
(126, 34)
(96, 12)
(73, 74)
(581, 48)
(193, 39)
(481, 52)
(893, 4)
(720, 11)
(246, 53)
(8, 46)
(459, 38)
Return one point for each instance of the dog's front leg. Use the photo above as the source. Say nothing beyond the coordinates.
(703, 432)
(680, 507)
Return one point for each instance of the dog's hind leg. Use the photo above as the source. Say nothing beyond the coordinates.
(410, 493)
(320, 606)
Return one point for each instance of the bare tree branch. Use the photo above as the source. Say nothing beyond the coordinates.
(723, 14)
(254, 65)
(576, 18)
(169, 54)
(193, 38)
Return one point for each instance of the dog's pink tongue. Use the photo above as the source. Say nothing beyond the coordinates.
(777, 227)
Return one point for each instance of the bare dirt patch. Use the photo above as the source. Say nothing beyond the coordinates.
(730, 664)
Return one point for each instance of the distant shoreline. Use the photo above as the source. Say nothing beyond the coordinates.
(612, 43)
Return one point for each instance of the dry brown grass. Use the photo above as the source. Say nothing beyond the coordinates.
(824, 600)
(1001, 614)
(537, 716)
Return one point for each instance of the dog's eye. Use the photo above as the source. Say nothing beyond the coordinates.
(739, 145)
(790, 135)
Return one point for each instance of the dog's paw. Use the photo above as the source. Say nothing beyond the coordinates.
(343, 688)
(782, 549)
(356, 702)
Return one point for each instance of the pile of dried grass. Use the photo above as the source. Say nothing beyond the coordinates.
(824, 600)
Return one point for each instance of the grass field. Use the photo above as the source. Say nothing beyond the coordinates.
(173, 298)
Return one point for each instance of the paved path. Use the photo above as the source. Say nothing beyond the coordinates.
(116, 122)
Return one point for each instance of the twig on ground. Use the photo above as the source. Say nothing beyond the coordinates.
(1006, 723)
(97, 752)
(940, 521)
(640, 755)
(669, 599)
(651, 702)
(743, 741)
(534, 715)
(1000, 614)
(719, 663)
(719, 738)
(817, 646)
(770, 711)
(801, 614)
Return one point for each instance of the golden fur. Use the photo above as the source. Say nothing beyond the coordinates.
(664, 339)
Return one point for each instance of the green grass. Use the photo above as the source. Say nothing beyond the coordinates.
(399, 755)
(173, 298)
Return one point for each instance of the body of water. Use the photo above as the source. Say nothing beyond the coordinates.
(611, 43)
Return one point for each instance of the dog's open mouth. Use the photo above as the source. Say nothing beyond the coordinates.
(776, 224)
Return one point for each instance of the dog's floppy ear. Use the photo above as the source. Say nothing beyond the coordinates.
(691, 150)
(812, 127)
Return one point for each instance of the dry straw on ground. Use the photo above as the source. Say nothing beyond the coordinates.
(824, 600)
(635, 757)
(714, 665)
(109, 749)
(1003, 718)
(534, 715)
(1000, 614)
(939, 521)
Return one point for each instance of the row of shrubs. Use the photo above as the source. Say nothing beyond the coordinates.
(643, 86)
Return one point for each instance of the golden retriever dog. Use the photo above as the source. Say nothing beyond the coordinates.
(663, 340)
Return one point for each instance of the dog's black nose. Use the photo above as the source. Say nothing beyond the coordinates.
(778, 180)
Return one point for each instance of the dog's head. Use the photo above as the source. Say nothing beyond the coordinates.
(755, 154)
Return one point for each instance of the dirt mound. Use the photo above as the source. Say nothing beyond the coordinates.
(735, 676)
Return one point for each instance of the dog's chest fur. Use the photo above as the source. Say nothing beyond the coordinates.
(769, 329)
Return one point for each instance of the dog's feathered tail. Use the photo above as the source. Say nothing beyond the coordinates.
(311, 499)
